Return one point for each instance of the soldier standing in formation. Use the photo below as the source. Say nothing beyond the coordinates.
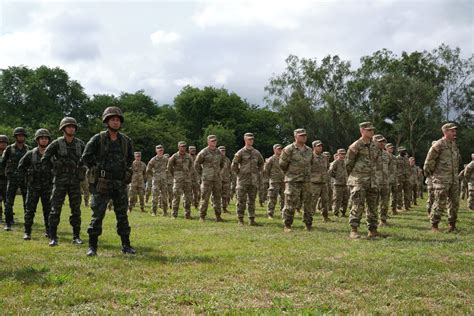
(382, 175)
(39, 182)
(195, 181)
(85, 190)
(403, 173)
(392, 177)
(137, 186)
(247, 165)
(328, 181)
(361, 162)
(226, 176)
(413, 181)
(319, 179)
(10, 159)
(3, 177)
(169, 184)
(276, 177)
(469, 175)
(442, 164)
(295, 161)
(156, 170)
(110, 155)
(65, 152)
(337, 170)
(180, 167)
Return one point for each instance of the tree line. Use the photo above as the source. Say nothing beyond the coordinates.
(407, 97)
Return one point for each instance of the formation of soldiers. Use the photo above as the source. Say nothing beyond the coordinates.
(297, 178)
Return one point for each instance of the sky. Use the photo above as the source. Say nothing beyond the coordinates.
(161, 46)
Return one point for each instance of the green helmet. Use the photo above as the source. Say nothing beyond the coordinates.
(3, 139)
(112, 111)
(42, 132)
(19, 131)
(67, 121)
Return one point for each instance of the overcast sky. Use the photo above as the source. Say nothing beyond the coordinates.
(161, 46)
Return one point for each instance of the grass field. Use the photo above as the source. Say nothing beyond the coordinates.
(187, 267)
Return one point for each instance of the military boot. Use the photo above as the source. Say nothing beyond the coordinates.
(219, 218)
(287, 229)
(27, 236)
(241, 221)
(126, 248)
(373, 233)
(76, 239)
(434, 228)
(7, 227)
(252, 222)
(308, 227)
(54, 236)
(452, 228)
(354, 233)
(92, 250)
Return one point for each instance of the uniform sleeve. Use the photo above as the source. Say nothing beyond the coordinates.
(50, 152)
(351, 158)
(149, 167)
(261, 162)
(430, 161)
(236, 163)
(284, 160)
(170, 165)
(25, 163)
(5, 156)
(468, 171)
(88, 155)
(332, 169)
(267, 167)
(198, 163)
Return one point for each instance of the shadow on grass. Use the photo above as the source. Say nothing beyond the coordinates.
(27, 275)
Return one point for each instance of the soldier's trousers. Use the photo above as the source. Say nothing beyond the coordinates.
(34, 194)
(275, 190)
(208, 188)
(429, 202)
(470, 197)
(340, 199)
(360, 196)
(116, 192)
(330, 187)
(263, 192)
(160, 194)
(394, 196)
(246, 195)
(403, 195)
(180, 188)
(320, 198)
(225, 194)
(169, 185)
(3, 195)
(414, 193)
(196, 188)
(12, 186)
(72, 187)
(298, 194)
(448, 193)
(136, 190)
(85, 192)
(383, 199)
(148, 189)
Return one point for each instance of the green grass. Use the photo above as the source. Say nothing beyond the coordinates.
(189, 267)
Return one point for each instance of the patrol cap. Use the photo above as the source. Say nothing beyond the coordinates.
(159, 147)
(448, 126)
(181, 143)
(192, 147)
(317, 143)
(211, 137)
(388, 145)
(299, 131)
(379, 138)
(137, 153)
(277, 146)
(221, 147)
(248, 135)
(327, 153)
(401, 148)
(367, 125)
(341, 151)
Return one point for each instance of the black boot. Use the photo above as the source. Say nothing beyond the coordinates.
(27, 235)
(76, 239)
(126, 248)
(92, 251)
(53, 235)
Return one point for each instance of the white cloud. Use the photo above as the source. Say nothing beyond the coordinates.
(193, 81)
(163, 37)
(221, 77)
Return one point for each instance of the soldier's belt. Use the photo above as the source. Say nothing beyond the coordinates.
(111, 175)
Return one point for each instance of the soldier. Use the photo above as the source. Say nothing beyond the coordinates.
(337, 170)
(382, 175)
(209, 163)
(247, 165)
(148, 188)
(85, 190)
(10, 158)
(3, 177)
(137, 186)
(65, 152)
(429, 188)
(420, 186)
(392, 176)
(157, 169)
(442, 164)
(180, 167)
(328, 183)
(39, 182)
(109, 154)
(413, 180)
(264, 183)
(169, 184)
(195, 181)
(403, 173)
(469, 175)
(276, 177)
(226, 176)
(361, 166)
(463, 183)
(319, 179)
(295, 161)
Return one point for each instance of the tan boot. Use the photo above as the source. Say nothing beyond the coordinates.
(434, 228)
(354, 233)
(219, 218)
(252, 222)
(241, 222)
(287, 229)
(452, 228)
(373, 234)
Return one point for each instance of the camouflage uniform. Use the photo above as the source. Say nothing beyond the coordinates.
(420, 186)
(85, 191)
(442, 164)
(3, 180)
(462, 184)
(382, 175)
(195, 181)
(226, 176)
(67, 180)
(319, 180)
(263, 188)
(157, 169)
(469, 175)
(328, 187)
(429, 202)
(403, 173)
(208, 165)
(137, 186)
(180, 168)
(414, 184)
(337, 170)
(40, 186)
(277, 184)
(10, 159)
(296, 165)
(148, 188)
(392, 179)
(361, 165)
(247, 165)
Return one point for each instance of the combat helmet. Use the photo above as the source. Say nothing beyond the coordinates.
(19, 131)
(112, 111)
(67, 121)
(42, 132)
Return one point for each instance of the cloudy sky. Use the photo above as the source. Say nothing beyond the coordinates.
(161, 46)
